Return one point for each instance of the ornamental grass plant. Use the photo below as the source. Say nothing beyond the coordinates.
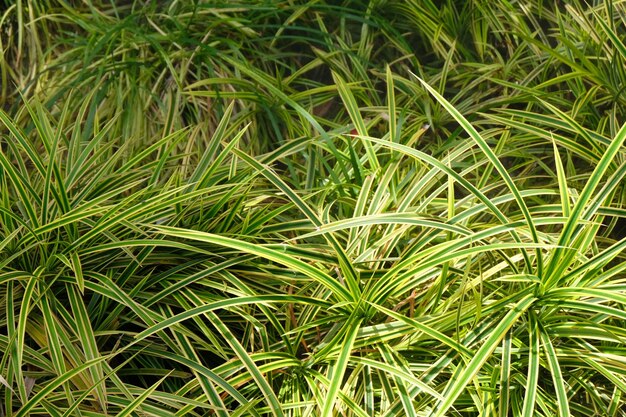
(312, 208)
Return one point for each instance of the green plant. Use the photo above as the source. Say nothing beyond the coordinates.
(375, 208)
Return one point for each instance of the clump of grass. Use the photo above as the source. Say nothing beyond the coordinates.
(381, 209)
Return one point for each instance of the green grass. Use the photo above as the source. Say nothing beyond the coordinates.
(313, 208)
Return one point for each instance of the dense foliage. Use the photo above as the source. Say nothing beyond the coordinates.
(312, 208)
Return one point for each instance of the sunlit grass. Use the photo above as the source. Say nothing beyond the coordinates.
(393, 208)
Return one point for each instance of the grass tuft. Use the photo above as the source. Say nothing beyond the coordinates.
(249, 208)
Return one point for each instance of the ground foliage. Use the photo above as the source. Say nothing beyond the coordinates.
(312, 208)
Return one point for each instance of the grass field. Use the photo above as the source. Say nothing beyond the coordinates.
(312, 208)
